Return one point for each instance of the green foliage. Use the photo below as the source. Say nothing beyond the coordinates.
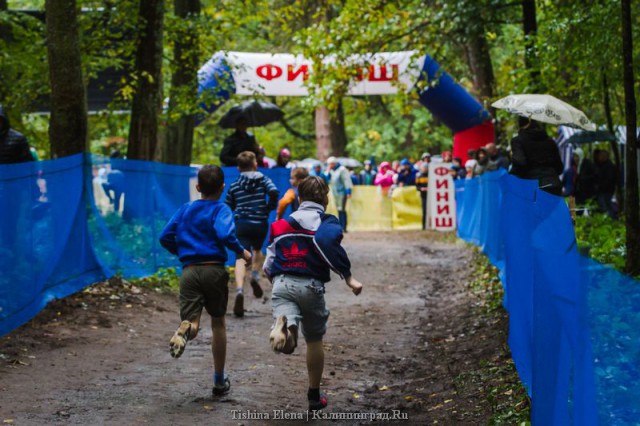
(23, 67)
(486, 282)
(602, 238)
(166, 280)
(505, 394)
(577, 43)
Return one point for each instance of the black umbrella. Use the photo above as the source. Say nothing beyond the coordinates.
(254, 113)
(585, 137)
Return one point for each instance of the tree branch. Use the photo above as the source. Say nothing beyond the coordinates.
(295, 133)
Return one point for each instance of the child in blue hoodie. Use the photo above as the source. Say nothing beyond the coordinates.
(199, 234)
(251, 198)
(303, 248)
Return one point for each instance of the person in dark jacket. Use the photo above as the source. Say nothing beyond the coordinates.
(585, 179)
(367, 175)
(13, 145)
(497, 159)
(406, 174)
(422, 185)
(14, 149)
(535, 156)
(607, 177)
(239, 141)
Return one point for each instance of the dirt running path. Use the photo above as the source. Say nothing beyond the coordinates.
(93, 359)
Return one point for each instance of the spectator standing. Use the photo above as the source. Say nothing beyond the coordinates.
(316, 170)
(422, 185)
(239, 141)
(535, 156)
(284, 156)
(384, 178)
(341, 187)
(13, 145)
(607, 178)
(367, 175)
(407, 174)
(355, 179)
(262, 163)
(470, 166)
(461, 172)
(569, 177)
(483, 162)
(424, 158)
(497, 159)
(586, 180)
(13, 149)
(114, 182)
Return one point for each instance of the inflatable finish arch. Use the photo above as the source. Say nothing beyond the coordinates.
(381, 73)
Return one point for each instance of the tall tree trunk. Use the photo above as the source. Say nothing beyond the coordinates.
(68, 124)
(323, 133)
(177, 146)
(632, 210)
(338, 132)
(143, 129)
(479, 61)
(4, 29)
(530, 26)
(613, 144)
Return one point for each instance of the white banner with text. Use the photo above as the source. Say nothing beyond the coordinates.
(284, 74)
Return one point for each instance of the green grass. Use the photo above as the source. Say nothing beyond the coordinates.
(509, 402)
(166, 280)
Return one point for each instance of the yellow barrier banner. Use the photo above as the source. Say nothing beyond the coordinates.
(407, 209)
(368, 209)
(372, 209)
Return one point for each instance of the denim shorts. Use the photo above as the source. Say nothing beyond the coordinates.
(301, 300)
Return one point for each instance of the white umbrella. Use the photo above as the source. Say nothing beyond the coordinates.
(545, 108)
(349, 162)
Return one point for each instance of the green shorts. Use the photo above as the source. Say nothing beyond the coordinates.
(203, 286)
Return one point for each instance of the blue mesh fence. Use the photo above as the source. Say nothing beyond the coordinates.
(574, 324)
(67, 223)
(574, 328)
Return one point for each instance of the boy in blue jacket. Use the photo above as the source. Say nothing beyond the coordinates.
(198, 233)
(303, 248)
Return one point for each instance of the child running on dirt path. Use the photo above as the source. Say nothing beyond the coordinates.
(291, 196)
(198, 233)
(247, 197)
(302, 249)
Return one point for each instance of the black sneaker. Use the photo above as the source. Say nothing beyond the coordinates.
(257, 290)
(221, 388)
(238, 306)
(319, 404)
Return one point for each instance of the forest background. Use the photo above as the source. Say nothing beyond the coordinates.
(573, 50)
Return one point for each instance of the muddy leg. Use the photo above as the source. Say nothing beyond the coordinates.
(219, 344)
(315, 363)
